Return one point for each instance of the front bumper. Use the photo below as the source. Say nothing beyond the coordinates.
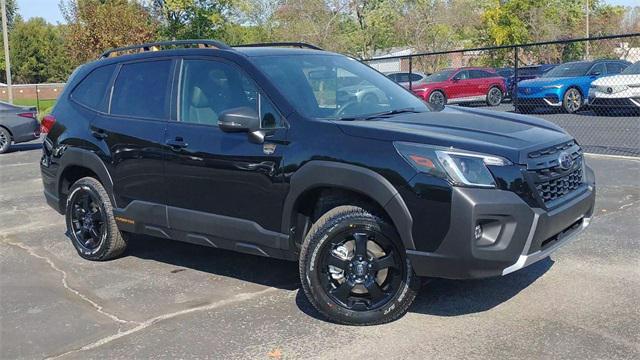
(515, 235)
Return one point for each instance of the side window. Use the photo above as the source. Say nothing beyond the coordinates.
(141, 90)
(462, 75)
(476, 74)
(92, 89)
(209, 87)
(416, 77)
(597, 69)
(615, 68)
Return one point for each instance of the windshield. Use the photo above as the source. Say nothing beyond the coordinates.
(442, 75)
(336, 87)
(569, 70)
(632, 70)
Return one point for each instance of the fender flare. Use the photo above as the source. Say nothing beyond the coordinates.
(87, 159)
(320, 173)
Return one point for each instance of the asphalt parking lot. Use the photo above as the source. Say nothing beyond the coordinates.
(172, 300)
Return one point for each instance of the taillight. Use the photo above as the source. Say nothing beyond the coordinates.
(47, 123)
(30, 115)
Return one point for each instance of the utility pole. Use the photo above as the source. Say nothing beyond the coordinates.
(5, 39)
(587, 47)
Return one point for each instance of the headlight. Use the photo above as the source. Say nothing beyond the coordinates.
(461, 167)
(558, 86)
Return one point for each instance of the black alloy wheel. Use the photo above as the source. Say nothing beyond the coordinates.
(87, 220)
(361, 270)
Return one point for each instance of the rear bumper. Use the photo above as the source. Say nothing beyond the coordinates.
(514, 235)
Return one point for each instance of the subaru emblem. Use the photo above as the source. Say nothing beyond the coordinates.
(565, 161)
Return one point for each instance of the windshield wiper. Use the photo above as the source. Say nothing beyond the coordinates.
(380, 114)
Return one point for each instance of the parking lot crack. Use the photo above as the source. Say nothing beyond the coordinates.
(97, 307)
(147, 323)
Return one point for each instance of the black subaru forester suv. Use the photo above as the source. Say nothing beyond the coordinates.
(301, 154)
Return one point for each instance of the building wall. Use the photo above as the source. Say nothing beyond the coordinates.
(32, 91)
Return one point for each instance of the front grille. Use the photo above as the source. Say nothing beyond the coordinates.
(552, 149)
(558, 187)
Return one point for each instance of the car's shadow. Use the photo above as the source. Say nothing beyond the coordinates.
(260, 270)
(439, 297)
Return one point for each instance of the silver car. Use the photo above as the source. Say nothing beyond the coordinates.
(402, 78)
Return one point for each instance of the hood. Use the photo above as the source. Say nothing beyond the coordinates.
(615, 80)
(508, 135)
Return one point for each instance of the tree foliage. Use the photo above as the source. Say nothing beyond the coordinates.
(37, 52)
(360, 28)
(96, 25)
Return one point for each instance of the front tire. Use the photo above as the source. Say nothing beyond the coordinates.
(5, 140)
(90, 221)
(572, 101)
(438, 98)
(354, 270)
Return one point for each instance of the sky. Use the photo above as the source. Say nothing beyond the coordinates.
(49, 10)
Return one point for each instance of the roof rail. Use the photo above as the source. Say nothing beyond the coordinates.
(283, 44)
(154, 46)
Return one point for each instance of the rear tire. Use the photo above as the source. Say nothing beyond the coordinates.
(5, 140)
(354, 270)
(494, 96)
(90, 221)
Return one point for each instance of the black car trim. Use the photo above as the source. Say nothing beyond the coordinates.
(74, 156)
(202, 228)
(320, 173)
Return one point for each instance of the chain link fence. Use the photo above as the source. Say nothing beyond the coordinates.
(590, 87)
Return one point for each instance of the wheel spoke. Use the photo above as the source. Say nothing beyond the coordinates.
(361, 244)
(374, 289)
(96, 215)
(94, 233)
(343, 291)
(384, 262)
(337, 262)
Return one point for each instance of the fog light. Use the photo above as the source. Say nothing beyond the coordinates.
(478, 232)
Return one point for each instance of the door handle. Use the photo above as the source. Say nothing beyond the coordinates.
(98, 133)
(177, 143)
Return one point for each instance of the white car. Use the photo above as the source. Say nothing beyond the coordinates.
(616, 92)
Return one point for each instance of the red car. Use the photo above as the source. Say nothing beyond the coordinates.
(462, 85)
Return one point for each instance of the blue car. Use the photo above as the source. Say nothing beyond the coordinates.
(565, 86)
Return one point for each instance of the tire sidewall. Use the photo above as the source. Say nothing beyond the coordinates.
(97, 253)
(317, 244)
(7, 145)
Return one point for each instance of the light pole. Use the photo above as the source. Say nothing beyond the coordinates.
(587, 47)
(5, 39)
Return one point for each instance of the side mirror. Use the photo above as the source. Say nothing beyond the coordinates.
(455, 79)
(595, 73)
(240, 119)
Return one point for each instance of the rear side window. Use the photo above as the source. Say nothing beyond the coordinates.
(92, 89)
(615, 68)
(141, 90)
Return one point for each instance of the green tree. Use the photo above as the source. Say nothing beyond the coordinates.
(94, 26)
(37, 52)
(192, 19)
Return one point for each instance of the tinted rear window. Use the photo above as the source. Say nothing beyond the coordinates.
(141, 90)
(92, 89)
